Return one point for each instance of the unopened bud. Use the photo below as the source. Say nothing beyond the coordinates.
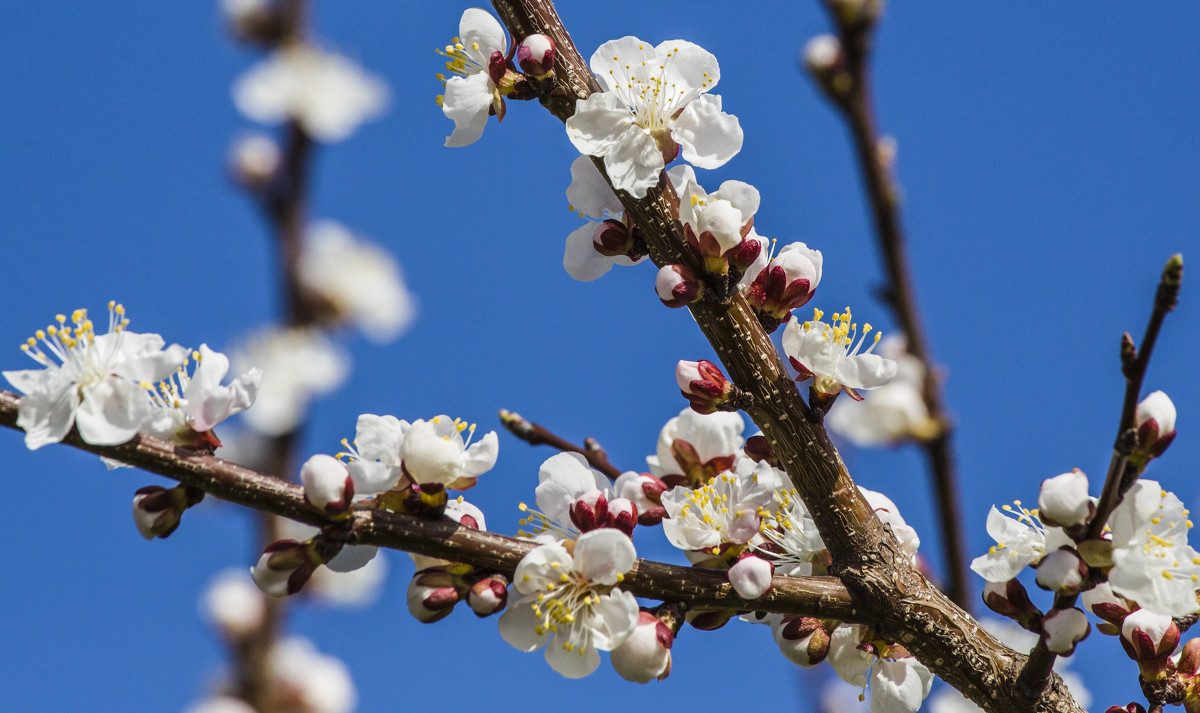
(1155, 424)
(158, 510)
(589, 511)
(612, 238)
(254, 161)
(646, 653)
(1149, 639)
(327, 483)
(751, 576)
(535, 55)
(622, 515)
(709, 619)
(1064, 628)
(432, 594)
(677, 286)
(253, 21)
(1106, 605)
(1189, 658)
(487, 596)
(1130, 708)
(234, 605)
(645, 492)
(1063, 500)
(1062, 571)
(758, 449)
(803, 640)
(787, 282)
(284, 568)
(1011, 600)
(703, 385)
(826, 62)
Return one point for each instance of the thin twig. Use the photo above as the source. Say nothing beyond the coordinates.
(446, 539)
(1036, 672)
(857, 108)
(538, 435)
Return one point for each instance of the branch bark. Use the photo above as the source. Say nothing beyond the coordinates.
(893, 595)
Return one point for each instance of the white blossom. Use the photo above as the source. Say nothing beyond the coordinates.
(694, 446)
(729, 509)
(233, 604)
(833, 355)
(653, 107)
(91, 381)
(434, 451)
(1063, 500)
(1021, 540)
(898, 683)
(573, 599)
(645, 654)
(1152, 561)
(476, 59)
(325, 93)
(184, 404)
(297, 365)
(373, 458)
(893, 412)
(319, 683)
(361, 280)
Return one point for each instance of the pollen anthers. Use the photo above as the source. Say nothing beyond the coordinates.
(168, 393)
(66, 342)
(460, 62)
(658, 98)
(540, 522)
(459, 426)
(1022, 515)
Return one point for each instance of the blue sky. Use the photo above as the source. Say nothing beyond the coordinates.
(1050, 165)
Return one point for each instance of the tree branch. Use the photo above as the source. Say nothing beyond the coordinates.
(897, 599)
(537, 435)
(444, 538)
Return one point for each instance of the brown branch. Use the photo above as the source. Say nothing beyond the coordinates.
(857, 108)
(1120, 476)
(446, 539)
(537, 435)
(898, 600)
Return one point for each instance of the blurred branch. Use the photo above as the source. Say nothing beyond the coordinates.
(446, 539)
(538, 435)
(890, 591)
(857, 108)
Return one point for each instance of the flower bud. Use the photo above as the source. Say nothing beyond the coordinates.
(612, 238)
(677, 286)
(1131, 708)
(758, 449)
(254, 161)
(535, 55)
(284, 568)
(432, 594)
(826, 62)
(803, 640)
(234, 605)
(1062, 571)
(1149, 639)
(751, 576)
(488, 596)
(253, 21)
(788, 282)
(1189, 658)
(158, 510)
(1064, 628)
(709, 619)
(590, 511)
(1155, 424)
(1011, 600)
(622, 515)
(1063, 500)
(327, 484)
(645, 492)
(646, 653)
(703, 385)
(1105, 604)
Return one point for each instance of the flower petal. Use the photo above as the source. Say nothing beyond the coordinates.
(466, 102)
(518, 626)
(111, 412)
(707, 136)
(601, 555)
(574, 663)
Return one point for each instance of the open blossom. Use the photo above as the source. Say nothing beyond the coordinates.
(184, 405)
(477, 59)
(892, 413)
(325, 93)
(434, 452)
(654, 106)
(831, 354)
(90, 381)
(572, 599)
(314, 682)
(898, 682)
(729, 509)
(1021, 540)
(590, 197)
(298, 365)
(1152, 562)
(693, 447)
(362, 281)
(373, 458)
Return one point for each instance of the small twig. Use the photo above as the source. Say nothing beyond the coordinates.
(1036, 673)
(857, 108)
(537, 435)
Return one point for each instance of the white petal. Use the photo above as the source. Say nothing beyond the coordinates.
(599, 123)
(47, 414)
(372, 477)
(541, 566)
(352, 557)
(618, 61)
(111, 412)
(899, 686)
(634, 163)
(466, 102)
(478, 26)
(517, 626)
(865, 371)
(707, 136)
(577, 663)
(589, 193)
(580, 258)
(742, 196)
(601, 555)
(616, 617)
(481, 456)
(848, 661)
